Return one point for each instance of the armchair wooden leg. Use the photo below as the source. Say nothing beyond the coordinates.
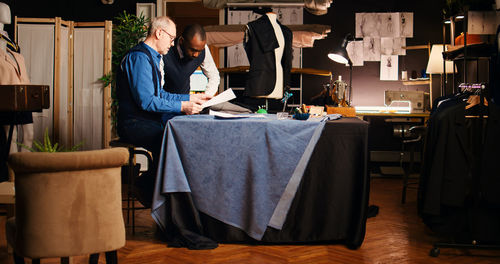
(94, 258)
(111, 257)
(18, 259)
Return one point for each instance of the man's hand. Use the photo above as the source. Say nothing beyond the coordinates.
(190, 108)
(199, 98)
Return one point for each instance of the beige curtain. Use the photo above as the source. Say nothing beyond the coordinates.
(37, 47)
(88, 91)
(64, 108)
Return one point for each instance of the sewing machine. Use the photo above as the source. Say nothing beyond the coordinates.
(418, 100)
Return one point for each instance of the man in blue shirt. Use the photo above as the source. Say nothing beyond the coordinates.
(143, 106)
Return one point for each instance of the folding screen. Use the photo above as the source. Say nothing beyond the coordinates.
(70, 57)
(37, 47)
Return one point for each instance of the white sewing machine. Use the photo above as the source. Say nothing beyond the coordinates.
(418, 100)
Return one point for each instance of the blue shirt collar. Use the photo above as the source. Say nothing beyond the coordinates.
(155, 54)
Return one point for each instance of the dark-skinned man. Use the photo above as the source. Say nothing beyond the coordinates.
(188, 53)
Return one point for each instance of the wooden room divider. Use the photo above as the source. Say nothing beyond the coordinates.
(70, 57)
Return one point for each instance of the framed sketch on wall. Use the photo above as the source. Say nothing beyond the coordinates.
(148, 10)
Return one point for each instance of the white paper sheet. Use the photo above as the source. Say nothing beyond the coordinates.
(220, 98)
(392, 46)
(389, 67)
(355, 51)
(405, 25)
(227, 115)
(482, 22)
(371, 49)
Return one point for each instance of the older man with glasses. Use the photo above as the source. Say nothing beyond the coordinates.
(143, 106)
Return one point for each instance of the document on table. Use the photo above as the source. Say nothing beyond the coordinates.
(227, 115)
(220, 98)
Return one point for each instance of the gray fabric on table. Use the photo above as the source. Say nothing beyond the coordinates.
(236, 169)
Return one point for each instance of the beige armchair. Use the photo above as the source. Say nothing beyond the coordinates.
(67, 204)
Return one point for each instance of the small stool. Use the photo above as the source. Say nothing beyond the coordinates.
(419, 132)
(131, 175)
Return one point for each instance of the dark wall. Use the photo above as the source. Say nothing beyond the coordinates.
(366, 84)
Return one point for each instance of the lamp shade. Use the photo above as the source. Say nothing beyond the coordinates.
(435, 64)
(339, 56)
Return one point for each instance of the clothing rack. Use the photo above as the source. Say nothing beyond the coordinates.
(469, 54)
(477, 89)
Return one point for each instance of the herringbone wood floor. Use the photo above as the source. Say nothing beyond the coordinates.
(396, 235)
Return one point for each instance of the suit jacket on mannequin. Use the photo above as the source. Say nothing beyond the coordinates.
(13, 71)
(260, 43)
(12, 68)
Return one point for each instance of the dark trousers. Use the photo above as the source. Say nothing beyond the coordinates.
(147, 134)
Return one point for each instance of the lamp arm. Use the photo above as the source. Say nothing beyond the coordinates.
(348, 38)
(350, 82)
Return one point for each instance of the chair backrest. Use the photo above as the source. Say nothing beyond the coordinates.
(68, 203)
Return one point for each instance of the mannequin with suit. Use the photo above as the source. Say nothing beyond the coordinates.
(268, 45)
(13, 71)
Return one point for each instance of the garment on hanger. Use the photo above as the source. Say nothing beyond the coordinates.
(458, 189)
(12, 68)
(262, 46)
(13, 71)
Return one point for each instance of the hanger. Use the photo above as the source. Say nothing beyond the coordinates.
(474, 100)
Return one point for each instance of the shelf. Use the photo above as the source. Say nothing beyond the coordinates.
(238, 69)
(311, 71)
(304, 36)
(474, 51)
(417, 82)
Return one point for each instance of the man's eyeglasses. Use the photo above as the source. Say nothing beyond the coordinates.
(172, 37)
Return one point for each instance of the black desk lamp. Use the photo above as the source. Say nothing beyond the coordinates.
(340, 55)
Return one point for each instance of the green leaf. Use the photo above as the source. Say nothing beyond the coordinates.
(26, 147)
(46, 145)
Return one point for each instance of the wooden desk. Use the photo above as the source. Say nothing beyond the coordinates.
(386, 131)
(425, 115)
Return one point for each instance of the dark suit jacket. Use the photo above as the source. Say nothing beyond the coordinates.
(260, 43)
(462, 167)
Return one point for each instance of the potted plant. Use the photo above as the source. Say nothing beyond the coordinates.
(47, 146)
(128, 30)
